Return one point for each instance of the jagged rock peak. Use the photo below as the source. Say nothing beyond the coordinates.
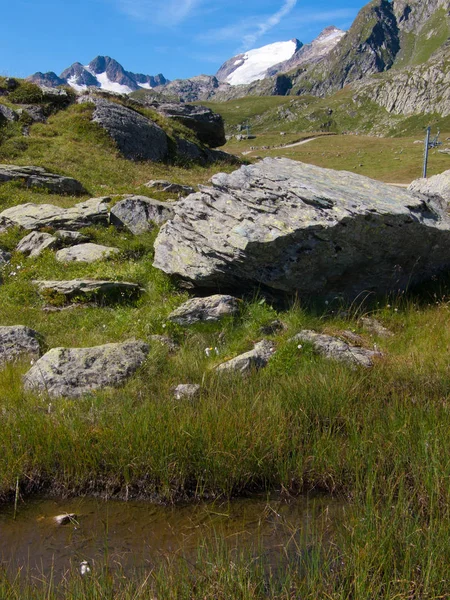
(102, 72)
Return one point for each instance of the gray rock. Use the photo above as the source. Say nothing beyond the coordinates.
(74, 372)
(36, 242)
(436, 187)
(137, 137)
(65, 519)
(37, 216)
(5, 224)
(212, 308)
(336, 349)
(166, 341)
(88, 289)
(255, 359)
(70, 238)
(39, 178)
(7, 114)
(169, 187)
(304, 230)
(36, 112)
(85, 253)
(5, 257)
(207, 125)
(375, 327)
(17, 341)
(186, 390)
(139, 214)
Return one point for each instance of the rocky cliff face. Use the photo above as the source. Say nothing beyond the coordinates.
(411, 15)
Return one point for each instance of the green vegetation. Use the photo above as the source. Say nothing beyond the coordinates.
(378, 438)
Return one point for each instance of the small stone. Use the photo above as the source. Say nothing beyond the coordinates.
(65, 518)
(5, 257)
(17, 341)
(332, 347)
(85, 253)
(254, 359)
(375, 327)
(171, 188)
(186, 390)
(212, 308)
(87, 289)
(170, 344)
(273, 328)
(35, 243)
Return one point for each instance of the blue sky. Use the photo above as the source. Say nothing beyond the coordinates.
(179, 38)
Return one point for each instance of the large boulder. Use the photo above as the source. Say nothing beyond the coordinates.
(301, 229)
(39, 178)
(17, 341)
(211, 309)
(207, 125)
(436, 187)
(38, 216)
(86, 290)
(85, 253)
(136, 136)
(74, 372)
(140, 214)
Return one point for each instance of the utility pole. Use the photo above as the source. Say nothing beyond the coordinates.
(427, 147)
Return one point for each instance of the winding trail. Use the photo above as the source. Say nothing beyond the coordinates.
(300, 143)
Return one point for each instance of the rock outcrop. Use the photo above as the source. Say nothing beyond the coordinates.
(17, 341)
(186, 390)
(435, 188)
(87, 290)
(39, 178)
(169, 187)
(212, 308)
(140, 214)
(136, 136)
(74, 372)
(300, 229)
(38, 216)
(336, 349)
(254, 359)
(207, 125)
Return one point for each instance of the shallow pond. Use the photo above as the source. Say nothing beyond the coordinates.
(137, 535)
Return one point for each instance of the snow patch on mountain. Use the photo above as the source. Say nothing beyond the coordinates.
(111, 86)
(253, 64)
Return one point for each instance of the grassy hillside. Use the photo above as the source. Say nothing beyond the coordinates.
(378, 439)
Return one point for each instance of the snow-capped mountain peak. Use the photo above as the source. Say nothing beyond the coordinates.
(253, 65)
(104, 73)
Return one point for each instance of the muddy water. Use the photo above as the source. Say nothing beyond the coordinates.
(136, 536)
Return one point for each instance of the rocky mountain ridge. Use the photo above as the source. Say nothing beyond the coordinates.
(102, 72)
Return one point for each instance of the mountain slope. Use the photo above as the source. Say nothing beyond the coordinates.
(255, 64)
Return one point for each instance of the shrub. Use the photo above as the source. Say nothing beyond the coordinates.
(26, 93)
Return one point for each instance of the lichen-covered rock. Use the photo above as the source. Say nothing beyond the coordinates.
(85, 253)
(374, 327)
(36, 242)
(40, 178)
(304, 230)
(38, 216)
(212, 308)
(186, 390)
(17, 341)
(139, 214)
(254, 359)
(336, 349)
(164, 340)
(7, 114)
(87, 290)
(436, 187)
(74, 372)
(136, 136)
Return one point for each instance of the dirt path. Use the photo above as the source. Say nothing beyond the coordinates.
(300, 143)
